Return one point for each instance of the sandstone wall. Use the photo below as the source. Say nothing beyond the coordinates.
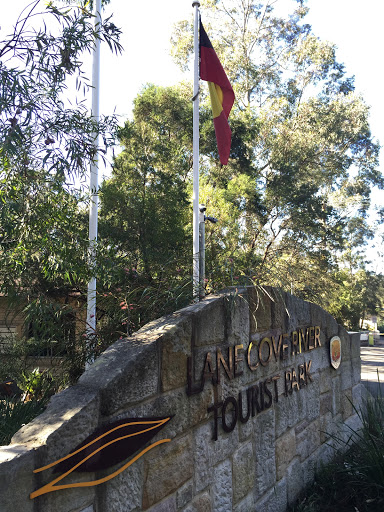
(245, 437)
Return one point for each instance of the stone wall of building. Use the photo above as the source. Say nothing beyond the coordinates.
(248, 401)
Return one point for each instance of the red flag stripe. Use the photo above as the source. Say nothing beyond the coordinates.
(212, 71)
(223, 137)
(221, 92)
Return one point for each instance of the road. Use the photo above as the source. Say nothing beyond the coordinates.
(372, 367)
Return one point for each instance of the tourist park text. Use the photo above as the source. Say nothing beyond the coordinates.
(260, 396)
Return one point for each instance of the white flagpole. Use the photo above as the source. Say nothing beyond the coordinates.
(196, 276)
(94, 184)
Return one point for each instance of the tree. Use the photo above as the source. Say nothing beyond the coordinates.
(358, 294)
(289, 181)
(145, 213)
(47, 142)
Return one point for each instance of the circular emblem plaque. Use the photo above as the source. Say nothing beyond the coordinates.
(335, 351)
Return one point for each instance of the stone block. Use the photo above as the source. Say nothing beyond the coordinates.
(168, 505)
(357, 395)
(325, 403)
(126, 373)
(243, 471)
(336, 395)
(166, 470)
(274, 500)
(326, 379)
(326, 427)
(308, 439)
(184, 494)
(201, 503)
(346, 375)
(124, 492)
(237, 319)
(346, 404)
(299, 312)
(264, 449)
(238, 384)
(17, 480)
(273, 366)
(246, 429)
(279, 310)
(209, 453)
(78, 497)
(259, 310)
(246, 504)
(70, 417)
(353, 424)
(309, 470)
(311, 397)
(356, 371)
(222, 486)
(328, 325)
(186, 411)
(285, 452)
(269, 309)
(324, 455)
(288, 411)
(295, 480)
(324, 320)
(203, 457)
(319, 358)
(209, 323)
(355, 345)
(175, 348)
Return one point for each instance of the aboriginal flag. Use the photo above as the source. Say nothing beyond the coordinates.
(221, 92)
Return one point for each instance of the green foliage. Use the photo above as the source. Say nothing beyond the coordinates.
(14, 413)
(296, 191)
(17, 411)
(145, 213)
(357, 293)
(45, 143)
(37, 129)
(37, 384)
(355, 479)
(286, 203)
(144, 205)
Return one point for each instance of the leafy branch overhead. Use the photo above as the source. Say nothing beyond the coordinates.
(35, 119)
(47, 140)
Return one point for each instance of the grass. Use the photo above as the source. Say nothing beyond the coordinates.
(354, 480)
(14, 413)
(20, 409)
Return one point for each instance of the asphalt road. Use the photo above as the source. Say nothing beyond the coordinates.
(372, 367)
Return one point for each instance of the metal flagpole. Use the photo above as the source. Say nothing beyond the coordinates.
(94, 185)
(202, 209)
(196, 277)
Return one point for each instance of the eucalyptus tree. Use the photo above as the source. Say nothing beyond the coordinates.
(303, 160)
(46, 141)
(145, 215)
